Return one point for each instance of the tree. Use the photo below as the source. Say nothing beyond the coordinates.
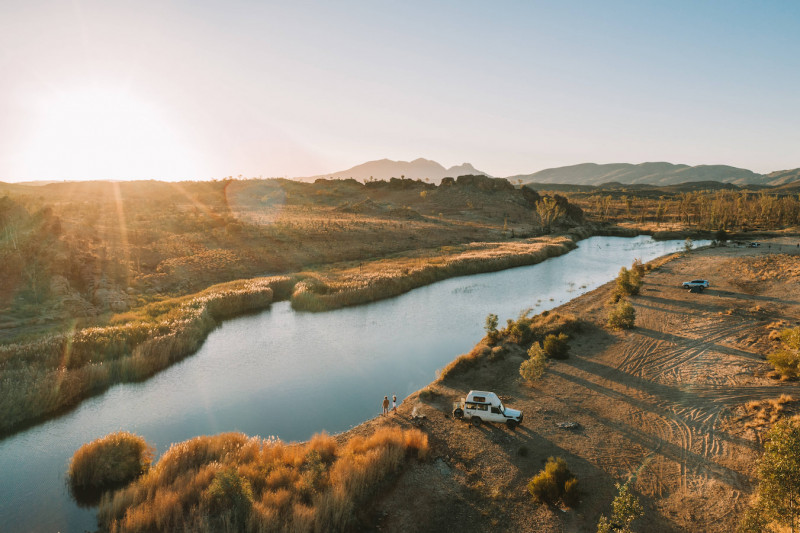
(535, 366)
(688, 245)
(624, 510)
(779, 474)
(491, 326)
(548, 211)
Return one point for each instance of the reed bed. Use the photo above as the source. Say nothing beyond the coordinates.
(332, 289)
(49, 375)
(231, 482)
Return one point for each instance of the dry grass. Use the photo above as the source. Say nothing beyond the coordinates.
(109, 461)
(230, 482)
(43, 377)
(764, 413)
(339, 287)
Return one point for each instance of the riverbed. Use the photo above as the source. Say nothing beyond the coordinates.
(292, 374)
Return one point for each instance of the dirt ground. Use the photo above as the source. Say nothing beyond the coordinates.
(677, 405)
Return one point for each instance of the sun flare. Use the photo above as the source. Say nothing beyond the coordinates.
(98, 133)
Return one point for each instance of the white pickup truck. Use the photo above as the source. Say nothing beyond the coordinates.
(482, 406)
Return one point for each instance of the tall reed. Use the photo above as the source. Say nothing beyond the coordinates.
(230, 482)
(48, 375)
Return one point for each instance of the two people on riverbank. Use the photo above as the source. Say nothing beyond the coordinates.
(386, 404)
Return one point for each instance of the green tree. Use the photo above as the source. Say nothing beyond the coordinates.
(535, 366)
(548, 211)
(624, 510)
(779, 474)
(491, 327)
(786, 359)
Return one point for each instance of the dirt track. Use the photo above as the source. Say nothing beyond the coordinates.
(663, 405)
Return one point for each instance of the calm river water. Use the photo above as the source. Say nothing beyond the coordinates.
(292, 374)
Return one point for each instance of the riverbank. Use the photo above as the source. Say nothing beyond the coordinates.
(663, 406)
(48, 376)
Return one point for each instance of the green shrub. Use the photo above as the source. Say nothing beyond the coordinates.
(534, 367)
(109, 461)
(624, 510)
(230, 498)
(555, 346)
(549, 485)
(622, 316)
(786, 360)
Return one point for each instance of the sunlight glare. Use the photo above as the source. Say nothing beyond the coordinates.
(104, 134)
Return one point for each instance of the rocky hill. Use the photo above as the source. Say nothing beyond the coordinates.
(384, 169)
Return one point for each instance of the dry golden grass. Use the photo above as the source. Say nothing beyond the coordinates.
(109, 461)
(338, 287)
(51, 374)
(230, 482)
(764, 413)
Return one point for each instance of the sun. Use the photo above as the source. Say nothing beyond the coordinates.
(104, 133)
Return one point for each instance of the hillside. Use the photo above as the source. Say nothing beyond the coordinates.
(783, 177)
(384, 169)
(649, 173)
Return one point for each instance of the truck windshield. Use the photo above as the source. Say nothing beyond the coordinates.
(502, 409)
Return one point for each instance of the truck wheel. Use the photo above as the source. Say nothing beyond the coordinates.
(458, 413)
(476, 421)
(512, 424)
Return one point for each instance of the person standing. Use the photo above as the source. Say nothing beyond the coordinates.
(394, 403)
(385, 405)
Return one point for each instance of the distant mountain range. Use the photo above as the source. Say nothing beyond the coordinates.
(418, 169)
(659, 174)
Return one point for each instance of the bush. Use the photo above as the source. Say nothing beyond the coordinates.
(555, 346)
(110, 461)
(230, 497)
(534, 367)
(624, 510)
(622, 316)
(550, 485)
(786, 360)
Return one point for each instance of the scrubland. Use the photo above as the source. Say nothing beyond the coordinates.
(115, 293)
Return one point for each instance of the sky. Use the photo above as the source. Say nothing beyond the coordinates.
(199, 89)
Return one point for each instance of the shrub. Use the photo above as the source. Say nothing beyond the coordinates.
(549, 485)
(555, 346)
(109, 461)
(535, 366)
(786, 360)
(624, 510)
(230, 497)
(622, 316)
(628, 282)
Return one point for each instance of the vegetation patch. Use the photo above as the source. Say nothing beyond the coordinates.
(108, 462)
(334, 288)
(786, 359)
(230, 482)
(777, 504)
(554, 483)
(48, 375)
(622, 315)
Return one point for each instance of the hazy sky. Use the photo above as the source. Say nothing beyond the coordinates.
(198, 89)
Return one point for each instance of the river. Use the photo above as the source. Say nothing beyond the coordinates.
(292, 374)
